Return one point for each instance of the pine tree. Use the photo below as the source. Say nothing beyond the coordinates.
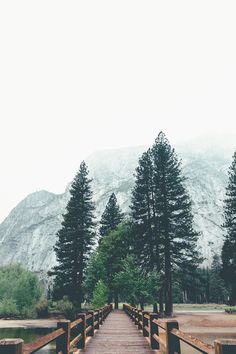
(175, 220)
(218, 290)
(229, 247)
(143, 212)
(75, 240)
(111, 217)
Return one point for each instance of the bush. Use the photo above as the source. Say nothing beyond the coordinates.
(8, 308)
(231, 310)
(99, 295)
(66, 307)
(19, 291)
(42, 308)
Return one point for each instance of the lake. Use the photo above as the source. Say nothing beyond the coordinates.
(29, 335)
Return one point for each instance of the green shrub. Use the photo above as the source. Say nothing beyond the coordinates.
(99, 295)
(19, 291)
(42, 308)
(8, 307)
(66, 307)
(231, 310)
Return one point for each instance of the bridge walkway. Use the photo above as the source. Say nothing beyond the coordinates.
(118, 335)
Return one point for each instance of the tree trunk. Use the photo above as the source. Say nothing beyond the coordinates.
(232, 297)
(109, 298)
(161, 305)
(116, 301)
(168, 281)
(155, 308)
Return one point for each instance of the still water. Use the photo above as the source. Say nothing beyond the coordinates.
(29, 335)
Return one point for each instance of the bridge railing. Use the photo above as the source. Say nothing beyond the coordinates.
(84, 326)
(165, 336)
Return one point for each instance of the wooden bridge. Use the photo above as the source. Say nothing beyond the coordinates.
(128, 331)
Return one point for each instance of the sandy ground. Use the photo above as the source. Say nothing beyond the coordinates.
(206, 322)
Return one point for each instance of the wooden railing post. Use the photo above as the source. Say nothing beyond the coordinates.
(11, 346)
(133, 314)
(225, 346)
(153, 329)
(91, 323)
(63, 342)
(97, 318)
(136, 316)
(101, 315)
(140, 319)
(145, 324)
(82, 330)
(172, 342)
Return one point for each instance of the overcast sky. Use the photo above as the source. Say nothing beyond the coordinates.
(78, 76)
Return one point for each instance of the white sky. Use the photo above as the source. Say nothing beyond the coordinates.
(78, 76)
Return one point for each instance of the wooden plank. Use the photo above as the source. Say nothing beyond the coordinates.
(118, 334)
(42, 341)
(194, 342)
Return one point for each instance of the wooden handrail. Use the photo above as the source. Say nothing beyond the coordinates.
(75, 323)
(84, 326)
(43, 341)
(149, 324)
(193, 342)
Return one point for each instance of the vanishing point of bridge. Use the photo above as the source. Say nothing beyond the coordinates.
(128, 331)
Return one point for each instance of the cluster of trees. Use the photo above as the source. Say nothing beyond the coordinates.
(20, 291)
(229, 247)
(151, 255)
(204, 285)
(157, 240)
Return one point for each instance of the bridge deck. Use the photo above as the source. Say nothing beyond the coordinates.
(118, 335)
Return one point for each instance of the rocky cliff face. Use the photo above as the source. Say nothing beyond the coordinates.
(28, 234)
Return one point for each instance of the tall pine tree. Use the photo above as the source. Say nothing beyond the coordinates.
(175, 220)
(161, 211)
(111, 217)
(143, 213)
(229, 247)
(75, 240)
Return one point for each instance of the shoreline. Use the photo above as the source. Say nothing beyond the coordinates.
(27, 324)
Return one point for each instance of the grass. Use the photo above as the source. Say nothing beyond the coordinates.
(194, 307)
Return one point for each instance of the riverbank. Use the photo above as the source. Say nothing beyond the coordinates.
(38, 323)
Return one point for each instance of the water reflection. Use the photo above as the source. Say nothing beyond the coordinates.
(29, 335)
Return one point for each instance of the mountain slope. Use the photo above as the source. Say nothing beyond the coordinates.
(28, 234)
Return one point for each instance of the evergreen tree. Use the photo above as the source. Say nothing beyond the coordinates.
(147, 243)
(217, 289)
(175, 220)
(106, 262)
(99, 295)
(111, 217)
(229, 247)
(143, 212)
(75, 240)
(135, 285)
